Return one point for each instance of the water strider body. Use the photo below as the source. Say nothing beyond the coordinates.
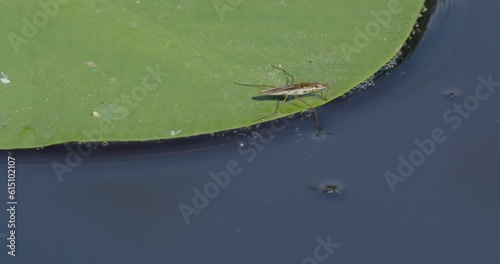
(327, 189)
(295, 90)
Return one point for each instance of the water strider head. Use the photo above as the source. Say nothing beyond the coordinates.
(316, 86)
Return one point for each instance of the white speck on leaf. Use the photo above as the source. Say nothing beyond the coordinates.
(173, 133)
(4, 79)
(91, 64)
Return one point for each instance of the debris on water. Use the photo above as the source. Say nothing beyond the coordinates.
(330, 189)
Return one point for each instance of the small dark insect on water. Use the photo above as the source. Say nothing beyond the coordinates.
(294, 90)
(327, 189)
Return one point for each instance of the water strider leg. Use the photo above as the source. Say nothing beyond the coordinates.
(280, 105)
(323, 96)
(255, 85)
(285, 72)
(314, 112)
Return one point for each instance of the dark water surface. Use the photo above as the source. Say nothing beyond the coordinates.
(121, 204)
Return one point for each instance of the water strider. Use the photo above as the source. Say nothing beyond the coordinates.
(294, 90)
(326, 189)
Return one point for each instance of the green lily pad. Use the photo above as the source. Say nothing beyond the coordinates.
(106, 70)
